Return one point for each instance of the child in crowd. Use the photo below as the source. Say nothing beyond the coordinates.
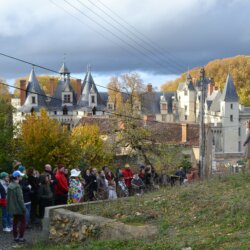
(122, 189)
(137, 184)
(112, 190)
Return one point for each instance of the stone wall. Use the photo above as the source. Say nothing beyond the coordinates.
(64, 224)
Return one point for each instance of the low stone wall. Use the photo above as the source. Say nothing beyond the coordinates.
(65, 224)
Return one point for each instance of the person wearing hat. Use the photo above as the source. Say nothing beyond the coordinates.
(16, 207)
(61, 188)
(6, 217)
(76, 191)
(26, 188)
(128, 176)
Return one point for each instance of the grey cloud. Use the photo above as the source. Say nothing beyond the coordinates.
(193, 31)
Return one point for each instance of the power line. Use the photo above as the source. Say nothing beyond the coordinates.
(108, 88)
(147, 40)
(33, 64)
(139, 51)
(101, 34)
(127, 35)
(114, 113)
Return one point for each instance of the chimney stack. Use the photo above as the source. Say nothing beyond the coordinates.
(52, 86)
(78, 88)
(22, 92)
(211, 87)
(149, 88)
(184, 132)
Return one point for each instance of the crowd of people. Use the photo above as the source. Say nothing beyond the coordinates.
(26, 193)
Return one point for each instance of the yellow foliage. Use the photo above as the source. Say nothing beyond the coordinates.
(239, 68)
(44, 82)
(93, 151)
(43, 140)
(4, 91)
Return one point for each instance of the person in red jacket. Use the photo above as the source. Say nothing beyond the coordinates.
(128, 176)
(61, 188)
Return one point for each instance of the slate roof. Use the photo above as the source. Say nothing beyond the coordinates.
(215, 106)
(229, 93)
(211, 98)
(188, 83)
(106, 125)
(56, 101)
(150, 102)
(34, 86)
(87, 87)
(63, 86)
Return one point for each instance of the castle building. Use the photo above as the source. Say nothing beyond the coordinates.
(224, 115)
(64, 103)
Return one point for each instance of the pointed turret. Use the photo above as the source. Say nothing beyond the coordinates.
(64, 70)
(64, 93)
(189, 82)
(35, 96)
(229, 93)
(89, 88)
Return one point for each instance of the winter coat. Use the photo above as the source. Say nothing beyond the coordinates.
(61, 188)
(45, 195)
(3, 193)
(128, 175)
(247, 146)
(53, 178)
(34, 182)
(26, 188)
(93, 183)
(102, 187)
(137, 183)
(15, 202)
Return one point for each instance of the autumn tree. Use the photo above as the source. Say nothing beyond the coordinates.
(114, 93)
(43, 140)
(93, 151)
(4, 91)
(239, 68)
(131, 133)
(6, 135)
(168, 157)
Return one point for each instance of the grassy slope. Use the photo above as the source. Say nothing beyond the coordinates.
(214, 214)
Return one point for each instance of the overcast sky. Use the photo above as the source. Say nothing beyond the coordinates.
(164, 38)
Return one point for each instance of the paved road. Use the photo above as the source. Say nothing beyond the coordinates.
(6, 239)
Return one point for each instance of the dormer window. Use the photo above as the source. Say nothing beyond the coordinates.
(92, 99)
(33, 100)
(66, 98)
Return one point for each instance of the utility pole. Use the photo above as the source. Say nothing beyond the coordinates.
(202, 125)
